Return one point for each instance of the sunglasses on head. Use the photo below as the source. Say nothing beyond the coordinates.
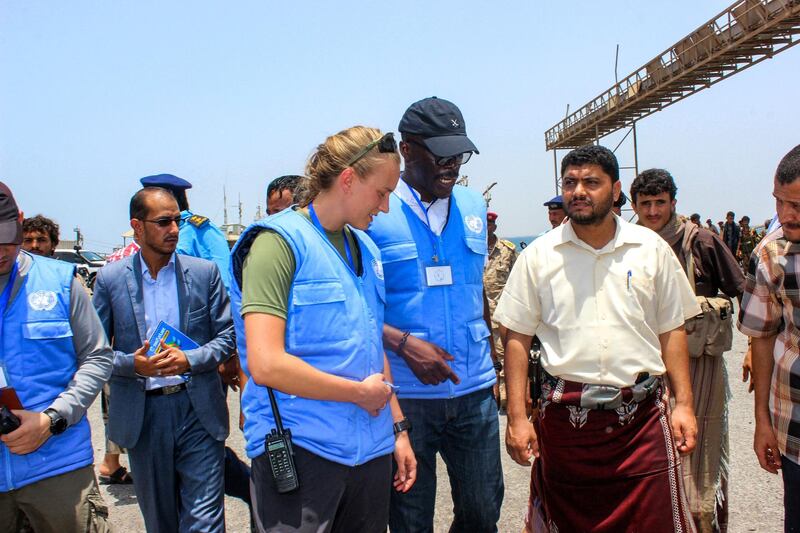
(386, 145)
(163, 222)
(458, 159)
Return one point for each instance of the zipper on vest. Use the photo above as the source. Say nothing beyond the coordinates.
(359, 434)
(448, 331)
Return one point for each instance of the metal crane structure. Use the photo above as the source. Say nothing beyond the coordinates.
(743, 35)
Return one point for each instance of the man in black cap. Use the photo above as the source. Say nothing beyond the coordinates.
(55, 357)
(555, 211)
(437, 332)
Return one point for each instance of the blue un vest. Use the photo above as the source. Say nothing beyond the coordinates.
(334, 323)
(449, 316)
(41, 360)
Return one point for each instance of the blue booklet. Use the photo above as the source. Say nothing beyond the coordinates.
(171, 337)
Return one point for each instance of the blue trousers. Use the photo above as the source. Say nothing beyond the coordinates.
(179, 469)
(791, 495)
(465, 431)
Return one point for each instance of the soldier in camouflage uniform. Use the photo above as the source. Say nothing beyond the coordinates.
(747, 242)
(502, 254)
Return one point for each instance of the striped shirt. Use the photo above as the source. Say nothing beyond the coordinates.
(771, 299)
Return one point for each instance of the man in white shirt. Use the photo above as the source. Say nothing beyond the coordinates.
(608, 301)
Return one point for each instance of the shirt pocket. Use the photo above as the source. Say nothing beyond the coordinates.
(53, 339)
(480, 360)
(639, 292)
(473, 267)
(321, 309)
(401, 266)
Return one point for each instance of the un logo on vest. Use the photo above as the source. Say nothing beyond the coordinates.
(377, 267)
(475, 224)
(42, 300)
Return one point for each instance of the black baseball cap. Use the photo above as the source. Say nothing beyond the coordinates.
(10, 226)
(440, 124)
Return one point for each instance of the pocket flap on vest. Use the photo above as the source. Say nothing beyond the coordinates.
(478, 330)
(318, 292)
(477, 245)
(401, 251)
(46, 329)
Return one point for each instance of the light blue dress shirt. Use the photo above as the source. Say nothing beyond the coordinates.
(160, 303)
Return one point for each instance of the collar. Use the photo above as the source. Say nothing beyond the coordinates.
(146, 270)
(406, 192)
(625, 233)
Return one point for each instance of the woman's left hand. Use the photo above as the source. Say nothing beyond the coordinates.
(406, 461)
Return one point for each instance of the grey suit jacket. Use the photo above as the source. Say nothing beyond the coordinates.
(205, 316)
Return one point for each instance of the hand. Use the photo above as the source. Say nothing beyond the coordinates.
(684, 427)
(33, 431)
(229, 370)
(406, 461)
(373, 394)
(428, 361)
(747, 368)
(766, 447)
(173, 361)
(496, 393)
(145, 365)
(521, 440)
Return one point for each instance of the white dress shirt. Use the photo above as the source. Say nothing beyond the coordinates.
(160, 303)
(598, 313)
(436, 211)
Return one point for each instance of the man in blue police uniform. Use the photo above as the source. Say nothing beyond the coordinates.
(55, 355)
(433, 247)
(198, 236)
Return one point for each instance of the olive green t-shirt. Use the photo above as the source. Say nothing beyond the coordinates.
(268, 270)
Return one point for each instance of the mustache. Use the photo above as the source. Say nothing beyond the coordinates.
(448, 174)
(585, 200)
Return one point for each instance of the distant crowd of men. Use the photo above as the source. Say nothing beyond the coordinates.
(602, 341)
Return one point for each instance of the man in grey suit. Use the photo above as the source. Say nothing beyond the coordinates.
(169, 409)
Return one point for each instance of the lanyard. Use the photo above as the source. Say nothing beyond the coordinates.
(317, 223)
(6, 296)
(431, 235)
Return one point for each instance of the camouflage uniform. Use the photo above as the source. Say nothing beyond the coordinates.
(495, 275)
(747, 243)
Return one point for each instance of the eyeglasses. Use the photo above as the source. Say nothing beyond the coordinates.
(164, 222)
(452, 160)
(386, 145)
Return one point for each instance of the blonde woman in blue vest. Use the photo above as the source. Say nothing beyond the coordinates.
(308, 296)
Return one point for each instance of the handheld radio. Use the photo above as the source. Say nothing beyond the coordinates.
(280, 453)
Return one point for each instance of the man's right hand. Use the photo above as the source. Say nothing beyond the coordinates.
(145, 365)
(521, 441)
(373, 394)
(766, 447)
(428, 361)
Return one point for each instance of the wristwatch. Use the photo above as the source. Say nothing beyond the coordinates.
(58, 424)
(403, 425)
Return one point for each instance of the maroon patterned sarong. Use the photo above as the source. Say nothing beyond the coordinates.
(614, 469)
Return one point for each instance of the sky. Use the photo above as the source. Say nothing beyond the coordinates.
(96, 94)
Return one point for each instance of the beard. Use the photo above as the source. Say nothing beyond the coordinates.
(598, 213)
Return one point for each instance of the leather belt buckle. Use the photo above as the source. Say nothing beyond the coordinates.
(171, 389)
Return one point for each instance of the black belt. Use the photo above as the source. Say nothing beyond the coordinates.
(166, 391)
